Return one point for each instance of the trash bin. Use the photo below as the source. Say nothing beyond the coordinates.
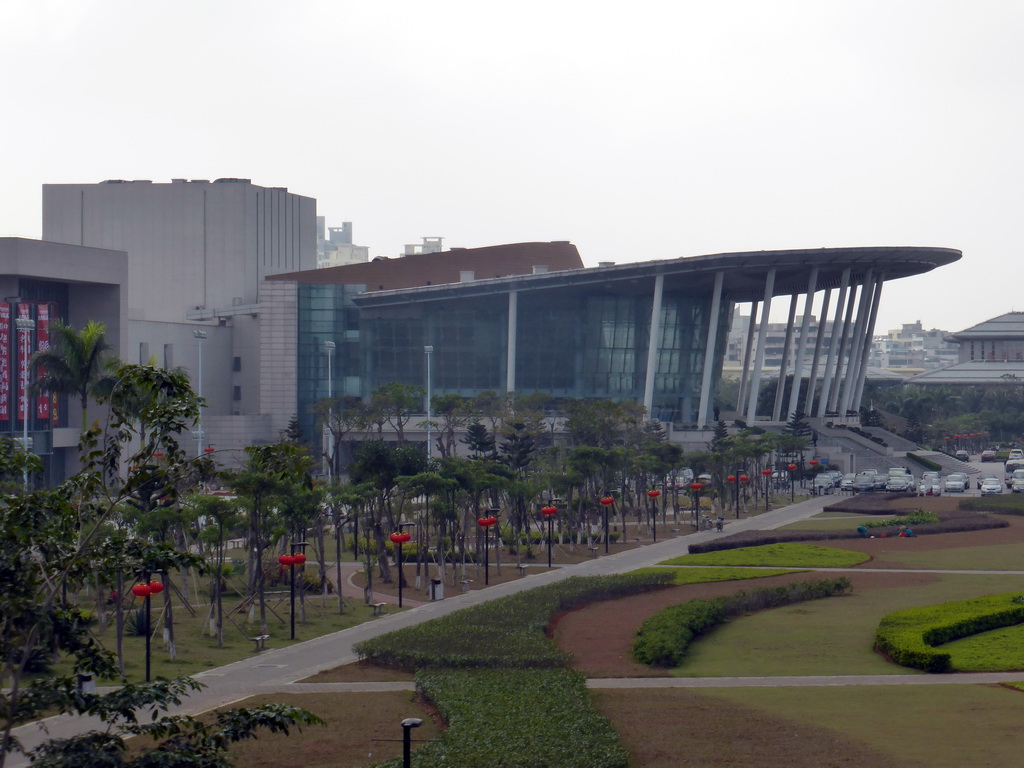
(436, 590)
(86, 684)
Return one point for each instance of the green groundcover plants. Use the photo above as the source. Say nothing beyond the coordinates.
(910, 637)
(501, 684)
(664, 638)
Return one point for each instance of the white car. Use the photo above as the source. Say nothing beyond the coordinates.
(956, 482)
(991, 485)
(1015, 453)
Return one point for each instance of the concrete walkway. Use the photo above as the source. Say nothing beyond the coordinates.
(278, 670)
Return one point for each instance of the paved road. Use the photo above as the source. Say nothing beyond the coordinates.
(279, 669)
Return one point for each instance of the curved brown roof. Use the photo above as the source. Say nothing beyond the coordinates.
(445, 267)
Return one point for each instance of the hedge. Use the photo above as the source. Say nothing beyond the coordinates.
(909, 637)
(507, 632)
(664, 638)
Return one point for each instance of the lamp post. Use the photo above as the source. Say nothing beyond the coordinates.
(606, 502)
(486, 523)
(297, 558)
(792, 469)
(329, 347)
(695, 489)
(407, 725)
(428, 350)
(743, 479)
(24, 326)
(147, 590)
(734, 480)
(398, 538)
(549, 513)
(200, 336)
(652, 495)
(813, 464)
(766, 473)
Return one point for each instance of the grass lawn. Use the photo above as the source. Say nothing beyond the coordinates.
(197, 651)
(948, 726)
(705, 575)
(776, 555)
(826, 637)
(997, 650)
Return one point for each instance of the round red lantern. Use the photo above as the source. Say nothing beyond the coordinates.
(155, 587)
(791, 467)
(158, 454)
(731, 478)
(813, 462)
(299, 558)
(549, 511)
(286, 560)
(696, 486)
(608, 501)
(744, 479)
(766, 472)
(141, 590)
(210, 449)
(653, 494)
(396, 537)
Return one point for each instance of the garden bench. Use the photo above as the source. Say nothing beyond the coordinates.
(261, 642)
(522, 569)
(378, 608)
(593, 551)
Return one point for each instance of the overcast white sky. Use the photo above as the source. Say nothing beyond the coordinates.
(636, 131)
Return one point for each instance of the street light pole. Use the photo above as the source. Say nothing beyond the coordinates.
(200, 336)
(24, 326)
(329, 347)
(428, 350)
(407, 725)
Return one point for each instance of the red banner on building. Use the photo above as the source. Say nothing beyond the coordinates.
(24, 353)
(42, 342)
(5, 361)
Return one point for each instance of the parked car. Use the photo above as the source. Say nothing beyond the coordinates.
(846, 484)
(991, 485)
(1012, 465)
(982, 478)
(956, 482)
(864, 482)
(1015, 453)
(900, 484)
(823, 483)
(1017, 481)
(931, 486)
(989, 455)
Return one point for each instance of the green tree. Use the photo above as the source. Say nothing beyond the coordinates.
(75, 364)
(52, 540)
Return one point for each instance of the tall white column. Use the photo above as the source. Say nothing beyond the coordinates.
(844, 343)
(510, 346)
(862, 375)
(801, 350)
(812, 379)
(709, 351)
(867, 292)
(653, 341)
(833, 343)
(762, 334)
(780, 388)
(748, 346)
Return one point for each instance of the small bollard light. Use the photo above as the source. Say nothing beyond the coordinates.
(407, 725)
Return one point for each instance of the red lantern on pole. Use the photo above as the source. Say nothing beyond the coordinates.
(549, 511)
(396, 538)
(141, 590)
(155, 587)
(766, 472)
(744, 479)
(607, 501)
(286, 560)
(731, 478)
(653, 494)
(813, 462)
(791, 467)
(299, 558)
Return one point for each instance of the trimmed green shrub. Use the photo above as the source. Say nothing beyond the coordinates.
(920, 517)
(664, 638)
(909, 637)
(925, 462)
(507, 632)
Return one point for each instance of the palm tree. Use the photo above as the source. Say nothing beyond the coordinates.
(75, 364)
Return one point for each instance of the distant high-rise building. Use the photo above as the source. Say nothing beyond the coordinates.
(334, 246)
